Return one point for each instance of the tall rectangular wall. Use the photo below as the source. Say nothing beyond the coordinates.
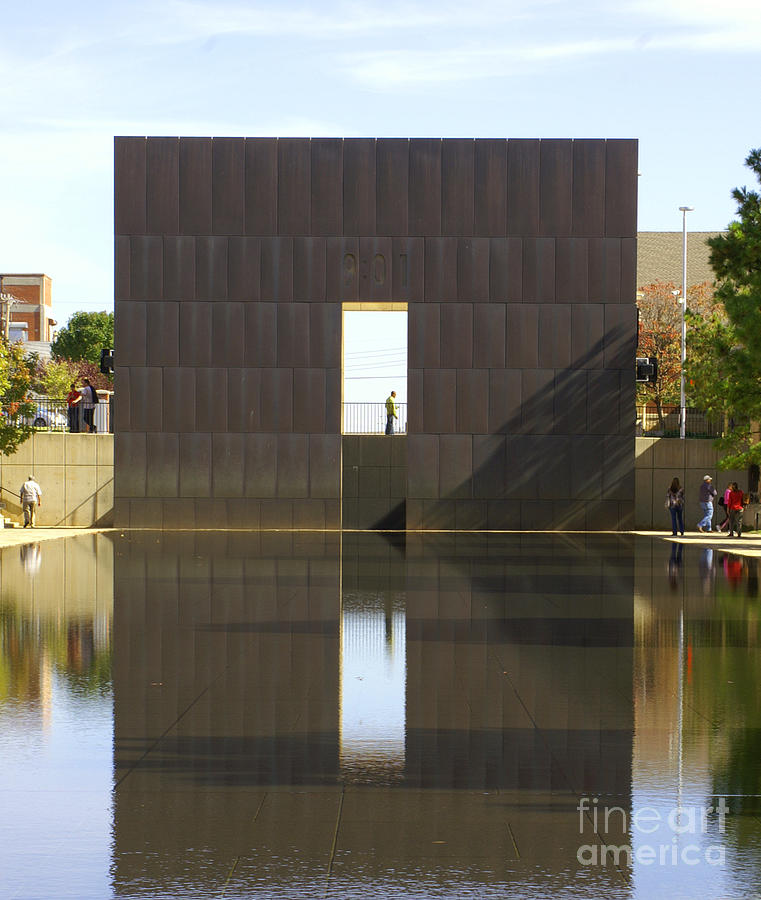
(517, 260)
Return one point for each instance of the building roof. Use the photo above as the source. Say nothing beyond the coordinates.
(659, 257)
(41, 348)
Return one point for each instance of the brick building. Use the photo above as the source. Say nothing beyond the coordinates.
(30, 314)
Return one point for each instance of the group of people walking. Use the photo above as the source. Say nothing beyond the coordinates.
(733, 502)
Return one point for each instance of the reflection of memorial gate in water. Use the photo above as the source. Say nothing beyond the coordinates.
(496, 674)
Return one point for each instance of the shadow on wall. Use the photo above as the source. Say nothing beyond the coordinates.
(101, 498)
(563, 460)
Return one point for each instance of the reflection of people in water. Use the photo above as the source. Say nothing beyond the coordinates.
(31, 556)
(675, 565)
(733, 570)
(705, 566)
(751, 587)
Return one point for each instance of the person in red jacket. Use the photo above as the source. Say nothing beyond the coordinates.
(735, 503)
(73, 403)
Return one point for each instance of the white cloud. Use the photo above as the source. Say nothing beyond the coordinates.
(325, 21)
(699, 25)
(380, 45)
(637, 28)
(94, 135)
(393, 68)
(732, 13)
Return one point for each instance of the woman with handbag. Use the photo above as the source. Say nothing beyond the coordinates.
(723, 504)
(735, 504)
(675, 505)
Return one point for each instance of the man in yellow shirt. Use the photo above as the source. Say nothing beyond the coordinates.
(391, 412)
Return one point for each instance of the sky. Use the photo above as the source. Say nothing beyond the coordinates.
(375, 358)
(682, 76)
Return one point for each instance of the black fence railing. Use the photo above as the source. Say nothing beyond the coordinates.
(370, 418)
(697, 424)
(53, 415)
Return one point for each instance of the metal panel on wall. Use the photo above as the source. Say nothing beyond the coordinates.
(490, 188)
(195, 185)
(359, 186)
(392, 185)
(228, 197)
(129, 185)
(162, 169)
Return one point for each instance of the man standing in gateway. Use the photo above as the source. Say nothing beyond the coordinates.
(391, 412)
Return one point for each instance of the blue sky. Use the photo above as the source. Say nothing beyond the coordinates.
(680, 75)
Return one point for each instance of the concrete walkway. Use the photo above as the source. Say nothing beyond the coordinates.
(14, 537)
(747, 545)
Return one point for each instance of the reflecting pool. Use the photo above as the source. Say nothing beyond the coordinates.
(231, 714)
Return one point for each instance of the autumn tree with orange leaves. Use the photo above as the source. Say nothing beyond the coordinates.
(660, 335)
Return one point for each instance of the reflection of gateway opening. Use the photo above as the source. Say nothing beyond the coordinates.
(373, 670)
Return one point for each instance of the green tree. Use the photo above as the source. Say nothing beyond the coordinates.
(15, 410)
(56, 376)
(724, 362)
(84, 336)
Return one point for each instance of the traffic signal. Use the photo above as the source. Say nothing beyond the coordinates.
(107, 361)
(647, 369)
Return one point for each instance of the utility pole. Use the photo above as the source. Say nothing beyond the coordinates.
(683, 301)
(6, 301)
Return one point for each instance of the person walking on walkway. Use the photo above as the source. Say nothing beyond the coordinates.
(391, 412)
(735, 505)
(89, 402)
(31, 497)
(723, 500)
(73, 403)
(675, 505)
(707, 493)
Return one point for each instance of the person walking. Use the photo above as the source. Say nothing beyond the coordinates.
(675, 505)
(73, 404)
(723, 500)
(707, 493)
(735, 505)
(31, 497)
(391, 412)
(89, 402)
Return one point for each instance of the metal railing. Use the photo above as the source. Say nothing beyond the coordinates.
(370, 418)
(53, 415)
(697, 424)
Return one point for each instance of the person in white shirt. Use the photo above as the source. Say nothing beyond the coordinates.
(89, 402)
(31, 497)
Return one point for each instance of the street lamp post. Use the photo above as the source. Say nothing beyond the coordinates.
(683, 303)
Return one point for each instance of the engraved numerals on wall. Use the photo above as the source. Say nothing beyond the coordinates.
(350, 270)
(378, 269)
(372, 274)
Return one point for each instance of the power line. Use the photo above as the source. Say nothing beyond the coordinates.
(384, 365)
(384, 352)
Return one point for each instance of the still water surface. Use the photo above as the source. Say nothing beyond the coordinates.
(270, 715)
